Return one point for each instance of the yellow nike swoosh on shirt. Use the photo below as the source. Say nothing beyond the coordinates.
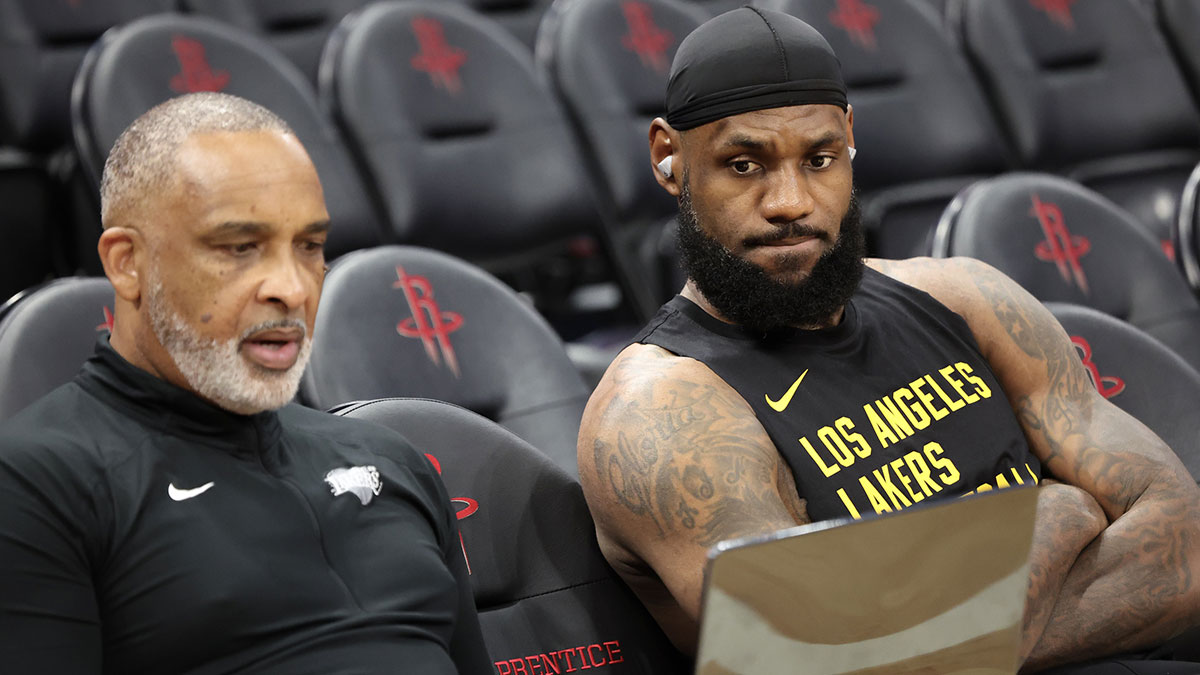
(782, 403)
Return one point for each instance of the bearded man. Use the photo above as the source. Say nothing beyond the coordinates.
(169, 510)
(790, 382)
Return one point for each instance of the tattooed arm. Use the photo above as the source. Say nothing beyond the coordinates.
(1135, 584)
(672, 461)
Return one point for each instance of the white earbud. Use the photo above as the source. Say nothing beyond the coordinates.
(665, 166)
(853, 152)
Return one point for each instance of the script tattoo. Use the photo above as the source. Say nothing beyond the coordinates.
(1129, 586)
(678, 456)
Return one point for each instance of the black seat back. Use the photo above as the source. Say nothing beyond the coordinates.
(913, 95)
(548, 602)
(1066, 243)
(30, 253)
(297, 28)
(406, 321)
(1090, 90)
(45, 336)
(468, 150)
(1140, 375)
(519, 17)
(143, 63)
(42, 43)
(609, 61)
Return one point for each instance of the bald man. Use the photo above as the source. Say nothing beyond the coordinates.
(169, 510)
(791, 382)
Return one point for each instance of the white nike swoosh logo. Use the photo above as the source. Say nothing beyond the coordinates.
(179, 494)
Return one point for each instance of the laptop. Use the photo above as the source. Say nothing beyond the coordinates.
(935, 588)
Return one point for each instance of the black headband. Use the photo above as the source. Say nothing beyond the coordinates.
(750, 59)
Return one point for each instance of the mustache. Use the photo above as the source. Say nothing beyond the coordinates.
(786, 231)
(277, 324)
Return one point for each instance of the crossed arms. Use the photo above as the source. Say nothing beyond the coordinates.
(672, 461)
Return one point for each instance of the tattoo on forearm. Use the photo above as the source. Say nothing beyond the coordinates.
(1125, 589)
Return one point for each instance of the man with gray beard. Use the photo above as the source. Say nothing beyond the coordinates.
(170, 510)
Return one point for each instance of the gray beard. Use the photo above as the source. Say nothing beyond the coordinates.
(216, 370)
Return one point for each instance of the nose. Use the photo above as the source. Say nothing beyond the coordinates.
(284, 283)
(788, 198)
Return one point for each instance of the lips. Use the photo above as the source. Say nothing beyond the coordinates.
(275, 349)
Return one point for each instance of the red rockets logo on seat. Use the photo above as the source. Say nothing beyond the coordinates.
(437, 58)
(428, 322)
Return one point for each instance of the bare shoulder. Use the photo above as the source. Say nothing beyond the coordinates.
(668, 452)
(984, 296)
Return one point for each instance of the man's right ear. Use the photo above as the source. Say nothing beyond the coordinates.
(118, 248)
(662, 155)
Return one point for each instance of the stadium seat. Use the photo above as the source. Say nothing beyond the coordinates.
(922, 125)
(29, 255)
(468, 150)
(1140, 375)
(609, 60)
(46, 334)
(138, 65)
(1088, 90)
(297, 28)
(1186, 233)
(42, 43)
(548, 602)
(1065, 243)
(407, 321)
(521, 18)
(1179, 21)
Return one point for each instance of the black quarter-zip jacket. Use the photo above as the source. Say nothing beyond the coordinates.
(144, 530)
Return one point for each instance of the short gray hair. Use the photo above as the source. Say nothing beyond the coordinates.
(142, 161)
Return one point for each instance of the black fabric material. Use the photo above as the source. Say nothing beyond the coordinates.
(540, 582)
(46, 335)
(1140, 375)
(496, 356)
(30, 229)
(41, 46)
(750, 59)
(1107, 262)
(104, 566)
(1179, 21)
(1080, 86)
(469, 151)
(951, 430)
(297, 28)
(914, 95)
(139, 65)
(521, 18)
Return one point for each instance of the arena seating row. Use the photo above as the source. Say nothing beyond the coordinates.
(939, 101)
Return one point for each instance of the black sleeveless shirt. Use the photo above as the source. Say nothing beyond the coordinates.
(893, 406)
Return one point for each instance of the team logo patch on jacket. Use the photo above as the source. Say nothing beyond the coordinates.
(362, 481)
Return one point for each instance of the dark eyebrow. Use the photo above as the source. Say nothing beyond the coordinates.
(744, 142)
(319, 227)
(827, 139)
(254, 229)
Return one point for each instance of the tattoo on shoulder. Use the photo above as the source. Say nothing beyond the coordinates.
(679, 457)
